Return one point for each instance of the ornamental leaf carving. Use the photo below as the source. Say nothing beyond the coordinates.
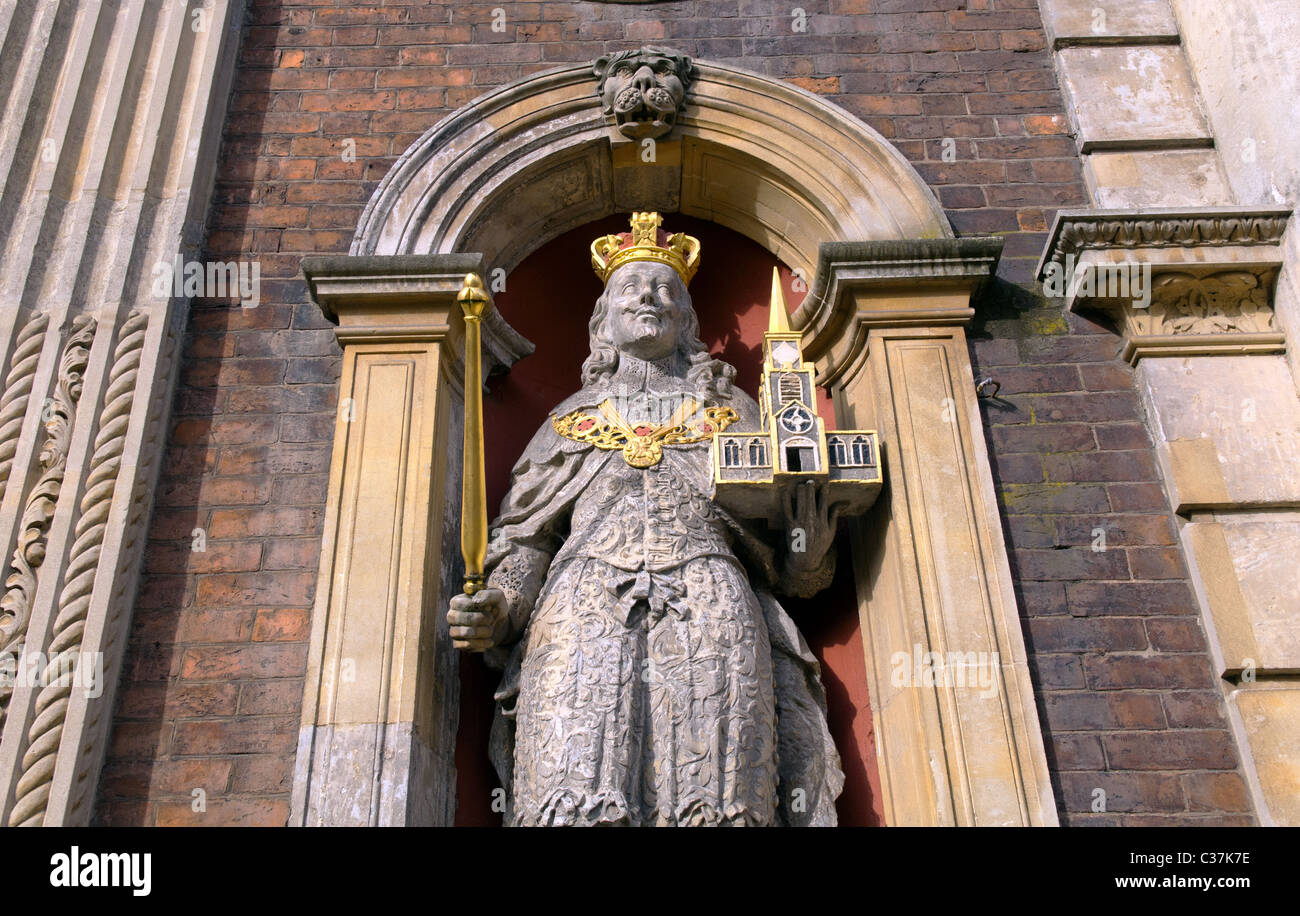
(1220, 303)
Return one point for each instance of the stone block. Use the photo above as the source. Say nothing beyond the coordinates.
(1269, 716)
(1169, 178)
(1107, 21)
(1132, 97)
(1227, 428)
(1244, 563)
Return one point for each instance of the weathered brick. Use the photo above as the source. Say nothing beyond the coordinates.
(269, 696)
(1084, 711)
(1043, 438)
(1194, 709)
(1176, 634)
(1122, 436)
(226, 812)
(1109, 672)
(1077, 752)
(1137, 497)
(244, 661)
(1080, 634)
(282, 625)
(1073, 563)
(1183, 749)
(1108, 531)
(262, 774)
(1123, 792)
(1216, 792)
(253, 589)
(252, 735)
(1127, 598)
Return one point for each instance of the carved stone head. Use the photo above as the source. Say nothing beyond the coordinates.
(643, 89)
(648, 303)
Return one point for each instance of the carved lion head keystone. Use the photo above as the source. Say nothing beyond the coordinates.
(644, 89)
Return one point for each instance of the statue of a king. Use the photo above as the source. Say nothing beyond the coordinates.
(650, 675)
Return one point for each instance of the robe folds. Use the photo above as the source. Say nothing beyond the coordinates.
(653, 678)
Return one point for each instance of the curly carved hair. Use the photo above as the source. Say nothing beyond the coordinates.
(711, 378)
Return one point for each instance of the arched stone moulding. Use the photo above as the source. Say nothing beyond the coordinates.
(533, 159)
(890, 291)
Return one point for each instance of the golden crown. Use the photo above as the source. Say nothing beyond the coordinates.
(646, 242)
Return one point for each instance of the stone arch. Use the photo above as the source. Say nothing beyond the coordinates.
(536, 157)
(824, 193)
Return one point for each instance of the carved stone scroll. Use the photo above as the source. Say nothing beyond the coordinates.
(64, 650)
(18, 388)
(20, 586)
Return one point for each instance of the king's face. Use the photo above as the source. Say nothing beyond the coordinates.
(647, 302)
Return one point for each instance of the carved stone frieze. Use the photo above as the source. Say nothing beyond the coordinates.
(1218, 303)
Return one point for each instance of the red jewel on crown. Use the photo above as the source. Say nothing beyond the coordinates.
(643, 430)
(705, 428)
(585, 425)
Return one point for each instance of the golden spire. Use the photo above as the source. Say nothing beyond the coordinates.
(778, 321)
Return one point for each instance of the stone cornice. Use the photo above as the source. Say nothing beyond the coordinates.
(1076, 231)
(1181, 282)
(391, 297)
(933, 280)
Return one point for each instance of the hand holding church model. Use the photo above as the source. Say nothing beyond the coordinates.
(650, 676)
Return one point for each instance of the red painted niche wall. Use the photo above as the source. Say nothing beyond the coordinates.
(549, 298)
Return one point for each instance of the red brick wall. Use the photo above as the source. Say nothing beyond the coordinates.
(211, 689)
(1125, 691)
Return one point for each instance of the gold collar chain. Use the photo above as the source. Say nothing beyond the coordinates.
(642, 445)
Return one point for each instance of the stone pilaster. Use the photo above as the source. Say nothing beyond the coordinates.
(381, 703)
(957, 732)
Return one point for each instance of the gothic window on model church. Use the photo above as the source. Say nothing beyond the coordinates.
(861, 450)
(790, 388)
(731, 455)
(757, 454)
(839, 452)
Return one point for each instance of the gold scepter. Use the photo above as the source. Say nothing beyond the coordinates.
(474, 301)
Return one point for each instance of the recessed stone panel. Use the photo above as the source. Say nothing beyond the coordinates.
(1270, 717)
(1243, 563)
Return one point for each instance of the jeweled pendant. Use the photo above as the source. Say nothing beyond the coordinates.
(642, 452)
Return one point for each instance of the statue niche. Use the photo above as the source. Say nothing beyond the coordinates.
(649, 674)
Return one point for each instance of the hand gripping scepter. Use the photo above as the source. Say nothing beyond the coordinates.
(474, 301)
